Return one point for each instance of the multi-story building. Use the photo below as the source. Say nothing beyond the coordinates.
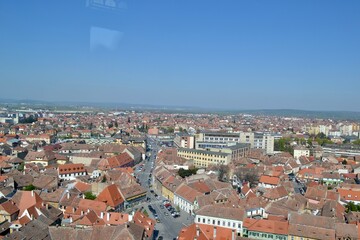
(325, 129)
(219, 137)
(219, 140)
(184, 140)
(215, 156)
(259, 140)
(346, 130)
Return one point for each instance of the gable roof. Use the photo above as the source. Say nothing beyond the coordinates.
(187, 193)
(111, 196)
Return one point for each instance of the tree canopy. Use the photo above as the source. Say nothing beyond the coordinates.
(90, 195)
(185, 173)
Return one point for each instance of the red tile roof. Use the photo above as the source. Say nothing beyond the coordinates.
(111, 196)
(269, 180)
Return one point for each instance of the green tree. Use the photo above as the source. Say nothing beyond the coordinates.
(185, 173)
(104, 179)
(351, 206)
(89, 195)
(21, 167)
(223, 171)
(357, 142)
(29, 188)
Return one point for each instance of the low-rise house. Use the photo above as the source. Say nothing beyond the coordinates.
(111, 196)
(169, 186)
(46, 183)
(310, 174)
(307, 226)
(266, 229)
(71, 171)
(330, 178)
(8, 210)
(43, 157)
(38, 138)
(275, 194)
(147, 223)
(119, 161)
(184, 197)
(301, 151)
(133, 194)
(206, 232)
(269, 181)
(349, 195)
(124, 231)
(221, 216)
(53, 198)
(346, 231)
(76, 148)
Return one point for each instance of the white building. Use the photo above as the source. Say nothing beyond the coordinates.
(182, 140)
(259, 140)
(301, 151)
(184, 197)
(227, 217)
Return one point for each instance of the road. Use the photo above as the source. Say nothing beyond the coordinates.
(169, 226)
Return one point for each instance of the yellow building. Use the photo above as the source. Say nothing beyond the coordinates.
(169, 186)
(203, 158)
(215, 156)
(313, 130)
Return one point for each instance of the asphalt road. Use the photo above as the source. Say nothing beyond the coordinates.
(169, 226)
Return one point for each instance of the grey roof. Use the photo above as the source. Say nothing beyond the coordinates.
(204, 151)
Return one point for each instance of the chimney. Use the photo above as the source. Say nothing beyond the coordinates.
(107, 216)
(214, 233)
(32, 193)
(67, 194)
(197, 230)
(233, 234)
(71, 220)
(101, 215)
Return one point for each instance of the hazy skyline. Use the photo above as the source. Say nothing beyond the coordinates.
(221, 54)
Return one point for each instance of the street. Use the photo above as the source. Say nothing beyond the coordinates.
(169, 226)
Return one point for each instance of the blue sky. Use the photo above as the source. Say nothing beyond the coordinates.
(234, 54)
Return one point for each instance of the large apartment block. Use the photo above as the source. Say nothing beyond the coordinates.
(182, 140)
(211, 156)
(220, 140)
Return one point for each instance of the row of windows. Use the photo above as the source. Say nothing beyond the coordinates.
(266, 236)
(202, 158)
(185, 153)
(221, 139)
(222, 223)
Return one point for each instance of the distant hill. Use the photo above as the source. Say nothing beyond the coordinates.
(336, 115)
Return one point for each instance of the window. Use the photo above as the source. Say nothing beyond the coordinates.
(203, 220)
